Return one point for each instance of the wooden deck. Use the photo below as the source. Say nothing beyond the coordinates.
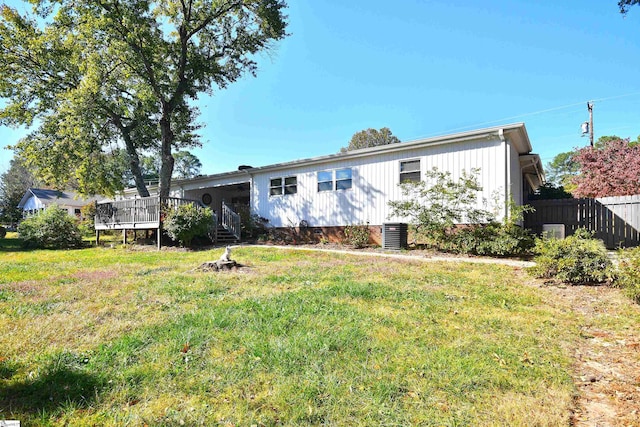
(146, 214)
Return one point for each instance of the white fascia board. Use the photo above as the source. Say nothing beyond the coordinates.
(514, 131)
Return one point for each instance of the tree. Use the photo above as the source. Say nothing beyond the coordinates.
(370, 138)
(13, 184)
(561, 170)
(141, 63)
(624, 5)
(613, 170)
(187, 165)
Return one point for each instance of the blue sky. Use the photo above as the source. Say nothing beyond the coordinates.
(425, 68)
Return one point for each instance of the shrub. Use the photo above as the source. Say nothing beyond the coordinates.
(357, 235)
(492, 239)
(578, 259)
(433, 206)
(628, 277)
(188, 221)
(3, 232)
(87, 219)
(52, 228)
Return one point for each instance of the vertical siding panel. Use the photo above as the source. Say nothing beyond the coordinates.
(375, 182)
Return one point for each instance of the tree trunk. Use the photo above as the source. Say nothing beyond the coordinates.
(167, 159)
(134, 164)
(134, 159)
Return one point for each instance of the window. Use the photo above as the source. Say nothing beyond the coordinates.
(343, 179)
(410, 171)
(290, 185)
(325, 181)
(335, 180)
(283, 185)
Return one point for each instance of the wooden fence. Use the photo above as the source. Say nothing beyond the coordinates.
(615, 220)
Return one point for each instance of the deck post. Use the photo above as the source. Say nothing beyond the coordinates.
(159, 241)
(124, 236)
(97, 237)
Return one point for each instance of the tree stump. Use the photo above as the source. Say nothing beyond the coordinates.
(219, 265)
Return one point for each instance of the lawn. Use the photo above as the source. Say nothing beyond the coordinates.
(121, 337)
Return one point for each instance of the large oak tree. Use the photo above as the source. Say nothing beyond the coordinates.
(102, 74)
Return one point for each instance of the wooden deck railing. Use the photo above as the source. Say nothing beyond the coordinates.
(143, 213)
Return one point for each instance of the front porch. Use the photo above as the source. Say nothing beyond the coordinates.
(146, 213)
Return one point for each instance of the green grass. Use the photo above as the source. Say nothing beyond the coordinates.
(113, 337)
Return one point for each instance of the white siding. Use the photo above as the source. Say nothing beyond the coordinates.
(375, 182)
(32, 204)
(516, 178)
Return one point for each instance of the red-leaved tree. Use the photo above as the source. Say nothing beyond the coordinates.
(613, 170)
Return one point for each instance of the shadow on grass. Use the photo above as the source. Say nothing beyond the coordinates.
(51, 392)
(11, 245)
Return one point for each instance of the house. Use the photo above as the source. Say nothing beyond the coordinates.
(330, 192)
(37, 199)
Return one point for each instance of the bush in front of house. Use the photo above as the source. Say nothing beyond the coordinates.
(52, 228)
(577, 259)
(628, 274)
(493, 239)
(187, 222)
(357, 235)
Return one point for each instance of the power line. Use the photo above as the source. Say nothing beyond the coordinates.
(533, 113)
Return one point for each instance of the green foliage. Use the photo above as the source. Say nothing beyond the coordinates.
(52, 228)
(550, 191)
(435, 205)
(577, 259)
(357, 235)
(370, 138)
(122, 72)
(3, 232)
(186, 165)
(87, 219)
(187, 222)
(493, 239)
(561, 170)
(13, 185)
(628, 273)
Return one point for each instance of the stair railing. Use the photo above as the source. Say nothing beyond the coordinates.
(230, 220)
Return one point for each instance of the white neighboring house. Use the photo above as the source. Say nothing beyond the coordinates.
(355, 187)
(37, 199)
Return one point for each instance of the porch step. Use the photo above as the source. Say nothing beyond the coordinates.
(224, 236)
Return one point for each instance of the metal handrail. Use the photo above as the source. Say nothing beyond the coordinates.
(230, 220)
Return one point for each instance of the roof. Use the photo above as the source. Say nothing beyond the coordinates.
(48, 197)
(516, 133)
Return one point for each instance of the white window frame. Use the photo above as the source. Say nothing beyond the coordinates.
(278, 186)
(334, 180)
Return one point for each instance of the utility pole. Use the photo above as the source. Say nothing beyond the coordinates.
(590, 108)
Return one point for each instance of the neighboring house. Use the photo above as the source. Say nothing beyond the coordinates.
(37, 199)
(329, 192)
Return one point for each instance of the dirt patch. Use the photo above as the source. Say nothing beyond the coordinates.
(607, 360)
